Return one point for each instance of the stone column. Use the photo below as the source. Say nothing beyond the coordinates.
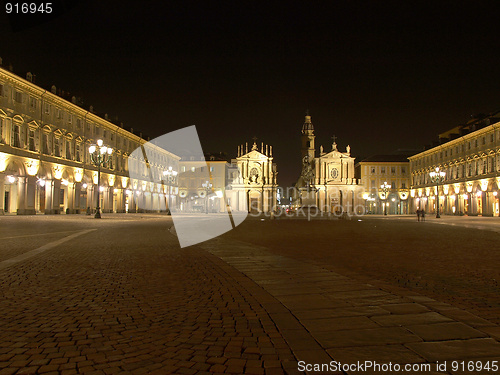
(30, 195)
(120, 200)
(52, 191)
(48, 197)
(21, 195)
(2, 193)
(57, 194)
(71, 198)
(105, 199)
(77, 190)
(91, 199)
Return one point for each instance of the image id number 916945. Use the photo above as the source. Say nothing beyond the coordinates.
(473, 366)
(28, 8)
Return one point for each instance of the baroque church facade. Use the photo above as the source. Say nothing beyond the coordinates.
(254, 188)
(327, 180)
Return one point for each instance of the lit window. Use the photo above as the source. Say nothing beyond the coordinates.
(31, 140)
(57, 151)
(18, 96)
(68, 150)
(16, 140)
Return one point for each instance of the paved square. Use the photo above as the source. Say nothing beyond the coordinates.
(118, 295)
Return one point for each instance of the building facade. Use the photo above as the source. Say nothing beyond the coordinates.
(45, 165)
(205, 185)
(327, 181)
(376, 170)
(470, 157)
(254, 182)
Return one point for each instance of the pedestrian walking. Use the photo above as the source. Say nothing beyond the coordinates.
(418, 214)
(422, 213)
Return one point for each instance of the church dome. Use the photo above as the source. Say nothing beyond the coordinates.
(308, 126)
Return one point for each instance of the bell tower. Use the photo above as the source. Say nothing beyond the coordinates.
(308, 138)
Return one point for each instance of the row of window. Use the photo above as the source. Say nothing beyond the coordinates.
(456, 150)
(375, 187)
(470, 169)
(59, 114)
(392, 169)
(193, 169)
(16, 129)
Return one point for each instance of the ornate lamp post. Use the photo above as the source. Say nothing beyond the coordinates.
(437, 176)
(170, 177)
(99, 154)
(385, 188)
(207, 186)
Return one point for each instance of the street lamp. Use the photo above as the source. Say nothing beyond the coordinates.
(207, 186)
(437, 176)
(385, 188)
(99, 154)
(170, 177)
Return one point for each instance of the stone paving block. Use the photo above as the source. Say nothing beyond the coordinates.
(410, 319)
(363, 293)
(312, 356)
(378, 300)
(28, 370)
(445, 331)
(456, 349)
(493, 331)
(467, 318)
(286, 321)
(379, 353)
(307, 302)
(405, 308)
(341, 312)
(366, 337)
(300, 340)
(337, 324)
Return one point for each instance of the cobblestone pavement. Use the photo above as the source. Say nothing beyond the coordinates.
(447, 259)
(354, 320)
(125, 299)
(117, 295)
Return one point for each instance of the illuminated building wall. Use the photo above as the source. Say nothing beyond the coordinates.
(393, 169)
(45, 165)
(470, 156)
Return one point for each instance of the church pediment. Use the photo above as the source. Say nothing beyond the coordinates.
(336, 155)
(254, 155)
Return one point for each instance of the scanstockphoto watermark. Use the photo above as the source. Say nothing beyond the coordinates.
(302, 206)
(170, 174)
(374, 366)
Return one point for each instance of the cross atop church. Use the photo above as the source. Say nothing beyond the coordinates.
(254, 147)
(334, 144)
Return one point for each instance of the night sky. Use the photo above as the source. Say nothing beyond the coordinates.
(379, 75)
